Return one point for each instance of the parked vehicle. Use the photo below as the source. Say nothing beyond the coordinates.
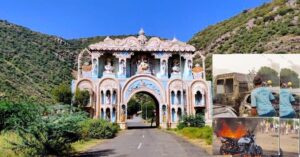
(223, 111)
(231, 88)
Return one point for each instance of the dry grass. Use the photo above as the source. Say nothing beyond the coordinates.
(194, 139)
(84, 145)
(6, 151)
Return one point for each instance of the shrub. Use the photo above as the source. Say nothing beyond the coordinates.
(82, 98)
(62, 94)
(98, 128)
(191, 121)
(52, 135)
(201, 133)
(18, 115)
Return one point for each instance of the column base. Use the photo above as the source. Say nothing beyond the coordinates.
(174, 125)
(123, 126)
(163, 125)
(121, 76)
(176, 76)
(188, 77)
(113, 75)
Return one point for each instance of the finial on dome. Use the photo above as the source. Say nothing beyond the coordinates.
(141, 32)
(107, 38)
(174, 39)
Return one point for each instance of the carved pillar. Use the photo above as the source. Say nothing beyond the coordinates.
(163, 59)
(187, 74)
(182, 100)
(176, 98)
(95, 64)
(122, 56)
(111, 116)
(176, 110)
(203, 66)
(104, 113)
(105, 97)
(111, 97)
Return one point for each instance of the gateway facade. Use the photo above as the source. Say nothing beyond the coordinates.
(116, 69)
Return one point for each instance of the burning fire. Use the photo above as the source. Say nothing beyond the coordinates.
(226, 131)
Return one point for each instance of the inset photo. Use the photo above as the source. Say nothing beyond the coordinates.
(246, 136)
(290, 86)
(246, 85)
(289, 137)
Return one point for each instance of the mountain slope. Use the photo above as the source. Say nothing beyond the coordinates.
(271, 28)
(32, 63)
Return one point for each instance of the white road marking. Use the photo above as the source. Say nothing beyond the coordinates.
(140, 145)
(143, 136)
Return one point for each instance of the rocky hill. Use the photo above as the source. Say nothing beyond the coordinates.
(271, 28)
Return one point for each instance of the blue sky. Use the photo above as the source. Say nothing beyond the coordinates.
(86, 18)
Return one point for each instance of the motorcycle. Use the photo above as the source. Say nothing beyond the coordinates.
(245, 146)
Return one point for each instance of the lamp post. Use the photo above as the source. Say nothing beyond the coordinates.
(146, 115)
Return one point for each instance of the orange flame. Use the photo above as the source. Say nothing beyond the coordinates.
(226, 131)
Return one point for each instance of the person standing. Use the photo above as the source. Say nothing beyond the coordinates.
(285, 102)
(261, 99)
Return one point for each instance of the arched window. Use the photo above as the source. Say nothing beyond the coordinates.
(108, 116)
(102, 114)
(172, 98)
(198, 98)
(179, 114)
(114, 115)
(173, 115)
(114, 97)
(108, 97)
(164, 113)
(102, 98)
(184, 98)
(178, 97)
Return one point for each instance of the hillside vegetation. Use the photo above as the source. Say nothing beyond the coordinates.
(32, 63)
(29, 63)
(271, 28)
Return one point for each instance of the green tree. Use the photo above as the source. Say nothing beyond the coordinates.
(148, 109)
(62, 93)
(288, 75)
(52, 135)
(82, 98)
(133, 106)
(18, 115)
(268, 73)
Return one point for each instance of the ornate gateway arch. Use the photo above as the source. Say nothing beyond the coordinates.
(115, 69)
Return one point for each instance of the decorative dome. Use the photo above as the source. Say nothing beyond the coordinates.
(174, 39)
(141, 43)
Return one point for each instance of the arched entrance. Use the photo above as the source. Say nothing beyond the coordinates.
(144, 84)
(143, 111)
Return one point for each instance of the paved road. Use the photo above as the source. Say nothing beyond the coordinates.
(146, 142)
